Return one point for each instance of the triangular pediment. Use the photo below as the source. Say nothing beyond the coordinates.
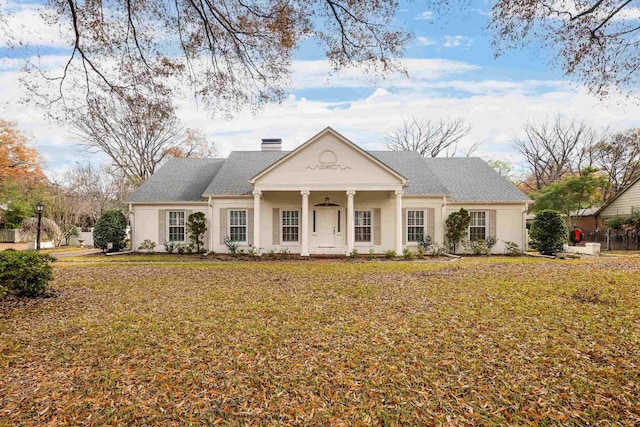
(329, 160)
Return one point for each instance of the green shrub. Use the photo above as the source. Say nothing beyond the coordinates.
(424, 243)
(232, 245)
(197, 226)
(479, 247)
(170, 246)
(548, 232)
(372, 254)
(354, 253)
(457, 225)
(391, 254)
(111, 227)
(512, 249)
(24, 272)
(147, 245)
(284, 253)
(615, 223)
(436, 250)
(407, 254)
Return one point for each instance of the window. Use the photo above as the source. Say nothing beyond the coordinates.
(238, 226)
(415, 226)
(363, 226)
(176, 226)
(478, 226)
(290, 226)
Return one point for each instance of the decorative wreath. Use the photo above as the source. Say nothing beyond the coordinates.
(575, 236)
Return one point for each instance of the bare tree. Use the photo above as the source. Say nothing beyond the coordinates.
(618, 156)
(136, 133)
(98, 189)
(429, 138)
(229, 53)
(195, 144)
(554, 149)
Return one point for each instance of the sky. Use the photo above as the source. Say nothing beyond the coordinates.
(452, 72)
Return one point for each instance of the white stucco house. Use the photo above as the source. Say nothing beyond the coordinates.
(328, 196)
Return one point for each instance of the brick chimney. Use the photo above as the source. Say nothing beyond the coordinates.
(271, 144)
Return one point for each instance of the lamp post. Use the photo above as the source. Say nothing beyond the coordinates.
(40, 207)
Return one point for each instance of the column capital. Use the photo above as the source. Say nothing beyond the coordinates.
(399, 193)
(305, 192)
(257, 193)
(351, 192)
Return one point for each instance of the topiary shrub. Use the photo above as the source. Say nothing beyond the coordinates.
(111, 227)
(548, 232)
(457, 225)
(197, 226)
(24, 272)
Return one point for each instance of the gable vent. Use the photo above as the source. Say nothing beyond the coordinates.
(271, 144)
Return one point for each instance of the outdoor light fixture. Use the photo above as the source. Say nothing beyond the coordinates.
(40, 207)
(327, 202)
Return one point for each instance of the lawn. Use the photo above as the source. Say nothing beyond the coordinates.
(481, 341)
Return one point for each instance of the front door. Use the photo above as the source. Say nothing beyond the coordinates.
(326, 222)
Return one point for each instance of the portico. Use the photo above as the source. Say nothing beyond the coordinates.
(325, 222)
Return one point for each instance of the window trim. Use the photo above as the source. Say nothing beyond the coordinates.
(424, 225)
(370, 226)
(183, 226)
(299, 226)
(486, 223)
(246, 225)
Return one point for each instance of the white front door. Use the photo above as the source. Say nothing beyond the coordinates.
(326, 222)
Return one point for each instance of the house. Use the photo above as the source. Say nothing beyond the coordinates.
(328, 196)
(586, 219)
(623, 203)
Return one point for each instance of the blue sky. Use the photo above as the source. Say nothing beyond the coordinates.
(452, 73)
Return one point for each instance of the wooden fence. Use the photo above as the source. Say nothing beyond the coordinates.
(8, 235)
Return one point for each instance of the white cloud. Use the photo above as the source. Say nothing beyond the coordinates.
(427, 15)
(496, 117)
(497, 109)
(456, 41)
(630, 14)
(318, 74)
(28, 26)
(426, 41)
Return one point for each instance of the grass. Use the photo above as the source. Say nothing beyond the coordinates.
(486, 341)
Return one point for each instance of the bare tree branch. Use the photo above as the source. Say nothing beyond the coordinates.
(429, 138)
(137, 134)
(554, 150)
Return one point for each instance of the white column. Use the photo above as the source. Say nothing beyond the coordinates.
(351, 224)
(443, 216)
(256, 219)
(214, 230)
(399, 222)
(304, 250)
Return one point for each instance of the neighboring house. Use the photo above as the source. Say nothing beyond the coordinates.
(587, 221)
(328, 196)
(623, 203)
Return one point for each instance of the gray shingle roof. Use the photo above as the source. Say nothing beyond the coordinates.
(471, 179)
(463, 179)
(412, 166)
(238, 169)
(178, 180)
